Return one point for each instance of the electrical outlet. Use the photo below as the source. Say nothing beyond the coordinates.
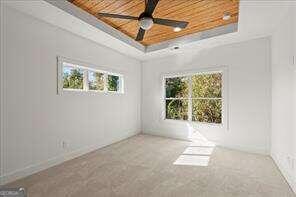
(289, 161)
(65, 144)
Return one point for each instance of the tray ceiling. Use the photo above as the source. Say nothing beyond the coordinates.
(202, 15)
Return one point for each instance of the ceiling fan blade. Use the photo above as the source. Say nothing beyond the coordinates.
(171, 23)
(140, 35)
(117, 16)
(150, 6)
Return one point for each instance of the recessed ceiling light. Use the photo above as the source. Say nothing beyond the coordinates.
(177, 29)
(226, 16)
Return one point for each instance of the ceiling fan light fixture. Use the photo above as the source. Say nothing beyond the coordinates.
(177, 29)
(146, 23)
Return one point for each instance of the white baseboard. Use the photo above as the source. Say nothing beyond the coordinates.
(245, 149)
(29, 170)
(230, 146)
(289, 178)
(163, 134)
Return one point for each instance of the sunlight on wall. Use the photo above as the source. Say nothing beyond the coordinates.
(198, 152)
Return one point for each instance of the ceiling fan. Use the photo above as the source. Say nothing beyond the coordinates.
(146, 20)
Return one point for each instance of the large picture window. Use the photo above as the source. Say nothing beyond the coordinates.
(196, 97)
(74, 76)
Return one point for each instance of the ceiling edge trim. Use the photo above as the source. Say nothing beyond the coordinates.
(90, 19)
(230, 28)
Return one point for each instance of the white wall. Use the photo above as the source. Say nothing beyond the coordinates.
(249, 94)
(36, 119)
(283, 149)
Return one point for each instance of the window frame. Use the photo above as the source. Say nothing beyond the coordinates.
(189, 74)
(87, 67)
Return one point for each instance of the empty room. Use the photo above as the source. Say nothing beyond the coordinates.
(148, 98)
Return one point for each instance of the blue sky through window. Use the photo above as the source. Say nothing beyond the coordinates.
(67, 70)
(91, 76)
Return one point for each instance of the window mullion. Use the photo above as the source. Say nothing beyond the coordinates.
(189, 99)
(105, 82)
(120, 84)
(85, 80)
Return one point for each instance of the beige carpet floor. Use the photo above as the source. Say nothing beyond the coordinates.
(144, 166)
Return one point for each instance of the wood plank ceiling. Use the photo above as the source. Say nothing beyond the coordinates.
(201, 14)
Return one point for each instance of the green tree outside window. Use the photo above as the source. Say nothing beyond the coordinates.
(95, 80)
(205, 100)
(113, 83)
(72, 78)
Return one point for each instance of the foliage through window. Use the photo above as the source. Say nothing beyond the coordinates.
(113, 83)
(177, 98)
(76, 77)
(95, 80)
(72, 78)
(195, 97)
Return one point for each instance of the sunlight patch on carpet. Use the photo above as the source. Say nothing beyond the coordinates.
(193, 160)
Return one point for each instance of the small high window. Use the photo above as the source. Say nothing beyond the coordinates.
(75, 77)
(72, 77)
(113, 83)
(95, 80)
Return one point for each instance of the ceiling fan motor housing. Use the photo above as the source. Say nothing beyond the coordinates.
(145, 21)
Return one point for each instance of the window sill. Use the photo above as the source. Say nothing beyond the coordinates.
(173, 121)
(92, 92)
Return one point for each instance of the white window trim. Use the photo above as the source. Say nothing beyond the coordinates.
(87, 67)
(208, 70)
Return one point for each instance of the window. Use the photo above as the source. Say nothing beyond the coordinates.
(196, 97)
(95, 80)
(177, 98)
(113, 83)
(75, 77)
(207, 98)
(72, 77)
